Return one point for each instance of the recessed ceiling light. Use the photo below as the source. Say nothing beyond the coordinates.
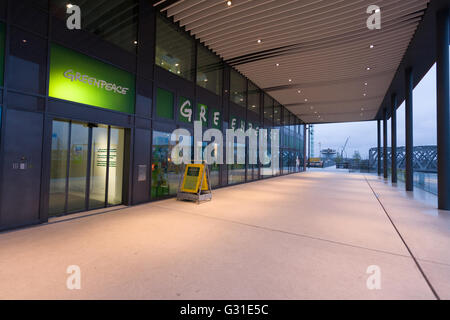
(299, 91)
(362, 109)
(290, 80)
(365, 84)
(365, 94)
(229, 3)
(368, 68)
(371, 46)
(306, 100)
(135, 42)
(259, 41)
(277, 64)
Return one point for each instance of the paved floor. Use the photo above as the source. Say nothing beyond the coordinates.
(305, 236)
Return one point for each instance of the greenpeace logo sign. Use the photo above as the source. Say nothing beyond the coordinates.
(101, 84)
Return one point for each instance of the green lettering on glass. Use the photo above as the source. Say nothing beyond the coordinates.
(185, 110)
(202, 114)
(79, 78)
(216, 119)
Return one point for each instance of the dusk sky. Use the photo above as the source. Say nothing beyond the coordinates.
(363, 135)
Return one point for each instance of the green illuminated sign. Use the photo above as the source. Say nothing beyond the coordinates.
(76, 77)
(2, 52)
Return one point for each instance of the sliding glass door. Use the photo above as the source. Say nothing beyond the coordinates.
(86, 167)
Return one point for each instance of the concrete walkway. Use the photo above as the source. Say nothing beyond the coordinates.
(305, 236)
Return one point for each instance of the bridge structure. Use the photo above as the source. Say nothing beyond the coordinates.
(424, 158)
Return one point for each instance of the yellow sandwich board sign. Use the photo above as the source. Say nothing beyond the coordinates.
(192, 178)
(194, 185)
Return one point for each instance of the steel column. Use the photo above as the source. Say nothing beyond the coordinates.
(443, 107)
(409, 175)
(379, 147)
(394, 138)
(385, 154)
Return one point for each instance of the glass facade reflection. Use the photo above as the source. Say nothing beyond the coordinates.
(175, 51)
(86, 161)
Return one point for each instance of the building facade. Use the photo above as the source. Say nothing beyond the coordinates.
(87, 115)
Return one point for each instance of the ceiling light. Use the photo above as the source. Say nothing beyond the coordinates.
(277, 64)
(365, 94)
(372, 46)
(229, 3)
(290, 80)
(365, 84)
(306, 100)
(312, 107)
(299, 91)
(259, 41)
(69, 5)
(362, 109)
(368, 68)
(135, 42)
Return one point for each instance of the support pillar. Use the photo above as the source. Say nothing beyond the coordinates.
(394, 138)
(379, 147)
(443, 107)
(409, 174)
(304, 147)
(385, 153)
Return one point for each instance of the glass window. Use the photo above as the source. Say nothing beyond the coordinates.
(71, 145)
(268, 108)
(58, 167)
(116, 154)
(2, 51)
(28, 57)
(238, 88)
(209, 70)
(164, 104)
(174, 49)
(253, 98)
(78, 167)
(286, 122)
(277, 113)
(99, 162)
(165, 174)
(115, 21)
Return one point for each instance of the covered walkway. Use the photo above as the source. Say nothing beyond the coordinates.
(305, 236)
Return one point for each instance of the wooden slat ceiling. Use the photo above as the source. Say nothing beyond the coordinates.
(322, 46)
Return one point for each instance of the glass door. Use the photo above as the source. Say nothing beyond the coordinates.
(86, 167)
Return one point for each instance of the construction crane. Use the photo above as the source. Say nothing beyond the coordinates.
(343, 148)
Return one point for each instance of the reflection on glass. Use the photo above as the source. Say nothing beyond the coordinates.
(253, 98)
(174, 50)
(99, 154)
(58, 168)
(116, 152)
(238, 88)
(165, 174)
(78, 167)
(209, 70)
